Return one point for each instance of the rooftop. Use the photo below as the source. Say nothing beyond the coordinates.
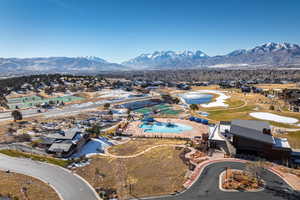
(252, 129)
(65, 135)
(60, 147)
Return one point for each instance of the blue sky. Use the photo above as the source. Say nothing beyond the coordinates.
(117, 30)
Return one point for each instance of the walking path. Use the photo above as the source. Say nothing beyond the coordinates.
(137, 154)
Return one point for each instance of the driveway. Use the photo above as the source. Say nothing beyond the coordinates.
(207, 187)
(69, 186)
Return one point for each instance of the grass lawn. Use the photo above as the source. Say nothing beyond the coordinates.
(14, 153)
(253, 101)
(157, 172)
(234, 102)
(12, 184)
(230, 114)
(138, 145)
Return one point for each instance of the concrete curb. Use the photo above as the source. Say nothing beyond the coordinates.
(276, 172)
(202, 166)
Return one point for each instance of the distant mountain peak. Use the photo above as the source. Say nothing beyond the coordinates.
(167, 58)
(269, 54)
(84, 64)
(272, 46)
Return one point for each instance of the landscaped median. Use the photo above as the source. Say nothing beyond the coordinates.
(232, 180)
(288, 178)
(19, 154)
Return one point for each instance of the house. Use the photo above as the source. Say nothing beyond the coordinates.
(255, 138)
(65, 143)
(183, 86)
(252, 138)
(295, 157)
(292, 98)
(245, 88)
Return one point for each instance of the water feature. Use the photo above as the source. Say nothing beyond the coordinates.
(162, 127)
(196, 98)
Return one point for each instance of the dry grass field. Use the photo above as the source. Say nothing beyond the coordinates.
(276, 86)
(210, 87)
(138, 145)
(157, 172)
(25, 187)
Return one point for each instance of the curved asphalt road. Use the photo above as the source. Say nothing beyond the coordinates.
(69, 186)
(207, 187)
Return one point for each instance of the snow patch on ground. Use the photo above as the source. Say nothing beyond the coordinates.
(220, 101)
(93, 146)
(194, 95)
(274, 117)
(115, 93)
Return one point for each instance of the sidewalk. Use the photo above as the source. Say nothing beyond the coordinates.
(291, 179)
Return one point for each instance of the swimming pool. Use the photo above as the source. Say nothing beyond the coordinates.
(162, 127)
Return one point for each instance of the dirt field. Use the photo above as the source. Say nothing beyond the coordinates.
(139, 145)
(157, 172)
(12, 183)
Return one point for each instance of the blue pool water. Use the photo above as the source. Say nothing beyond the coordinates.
(160, 127)
(197, 98)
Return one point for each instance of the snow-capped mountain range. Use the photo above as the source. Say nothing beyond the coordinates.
(266, 55)
(269, 55)
(88, 64)
(167, 59)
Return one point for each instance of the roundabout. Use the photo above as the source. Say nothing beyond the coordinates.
(207, 186)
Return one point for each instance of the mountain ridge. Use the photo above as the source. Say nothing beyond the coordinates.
(272, 54)
(265, 55)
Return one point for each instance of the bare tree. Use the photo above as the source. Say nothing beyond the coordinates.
(17, 115)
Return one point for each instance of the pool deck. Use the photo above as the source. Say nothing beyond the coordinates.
(198, 129)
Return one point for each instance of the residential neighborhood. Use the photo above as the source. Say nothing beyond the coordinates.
(139, 100)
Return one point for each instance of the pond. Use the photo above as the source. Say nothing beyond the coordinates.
(196, 98)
